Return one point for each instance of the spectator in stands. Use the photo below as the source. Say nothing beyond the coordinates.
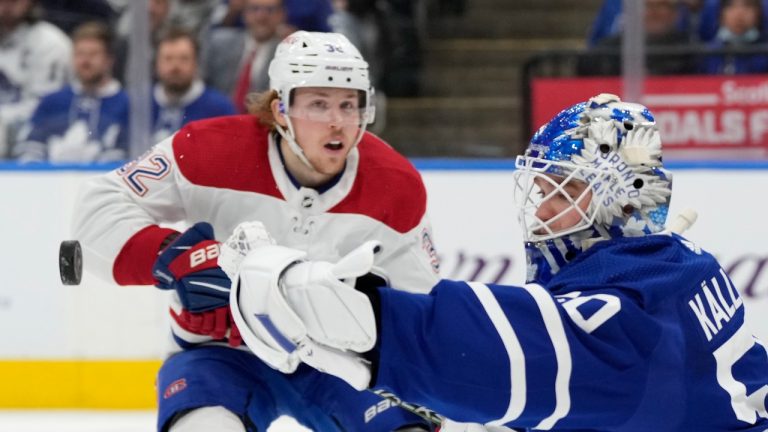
(180, 96)
(740, 26)
(35, 57)
(87, 120)
(237, 59)
(710, 19)
(158, 24)
(609, 22)
(690, 21)
(229, 13)
(69, 14)
(661, 30)
(309, 15)
(192, 15)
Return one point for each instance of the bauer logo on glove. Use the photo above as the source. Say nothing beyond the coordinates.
(189, 266)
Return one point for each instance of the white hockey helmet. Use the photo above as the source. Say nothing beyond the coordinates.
(614, 148)
(314, 59)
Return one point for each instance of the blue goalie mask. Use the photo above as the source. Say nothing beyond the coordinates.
(600, 161)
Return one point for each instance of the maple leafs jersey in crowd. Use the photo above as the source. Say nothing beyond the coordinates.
(635, 334)
(228, 170)
(72, 126)
(34, 61)
(198, 103)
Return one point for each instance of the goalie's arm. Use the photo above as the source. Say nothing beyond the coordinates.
(512, 356)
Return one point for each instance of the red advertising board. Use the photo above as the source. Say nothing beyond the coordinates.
(697, 116)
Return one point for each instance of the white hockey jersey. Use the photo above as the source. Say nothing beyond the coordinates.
(228, 170)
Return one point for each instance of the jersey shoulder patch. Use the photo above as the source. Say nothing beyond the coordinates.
(387, 187)
(226, 152)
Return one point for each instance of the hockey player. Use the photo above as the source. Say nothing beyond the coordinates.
(87, 120)
(304, 166)
(623, 325)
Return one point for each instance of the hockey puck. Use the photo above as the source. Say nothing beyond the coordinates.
(70, 262)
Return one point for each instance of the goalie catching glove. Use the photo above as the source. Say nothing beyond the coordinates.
(291, 310)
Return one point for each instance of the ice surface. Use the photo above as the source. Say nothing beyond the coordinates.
(99, 421)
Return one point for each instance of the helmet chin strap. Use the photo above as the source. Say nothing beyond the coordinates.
(288, 136)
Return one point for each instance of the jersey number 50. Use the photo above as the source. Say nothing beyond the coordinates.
(606, 306)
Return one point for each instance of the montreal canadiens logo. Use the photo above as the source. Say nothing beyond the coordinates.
(175, 387)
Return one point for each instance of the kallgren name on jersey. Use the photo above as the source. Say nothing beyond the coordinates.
(715, 308)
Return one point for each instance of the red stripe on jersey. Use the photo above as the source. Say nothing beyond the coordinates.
(226, 152)
(133, 265)
(231, 153)
(387, 187)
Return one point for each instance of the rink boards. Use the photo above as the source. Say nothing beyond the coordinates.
(98, 346)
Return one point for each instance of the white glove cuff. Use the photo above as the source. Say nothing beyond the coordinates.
(348, 366)
(255, 301)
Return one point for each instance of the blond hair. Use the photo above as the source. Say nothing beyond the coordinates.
(260, 105)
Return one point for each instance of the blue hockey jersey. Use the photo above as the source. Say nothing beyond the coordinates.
(197, 104)
(72, 126)
(635, 334)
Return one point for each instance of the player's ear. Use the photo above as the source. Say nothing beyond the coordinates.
(278, 112)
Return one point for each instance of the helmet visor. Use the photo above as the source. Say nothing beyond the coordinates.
(330, 105)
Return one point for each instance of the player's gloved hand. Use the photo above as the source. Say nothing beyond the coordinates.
(202, 287)
(215, 324)
(189, 266)
(290, 310)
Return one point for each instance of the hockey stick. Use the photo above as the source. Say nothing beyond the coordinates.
(423, 412)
